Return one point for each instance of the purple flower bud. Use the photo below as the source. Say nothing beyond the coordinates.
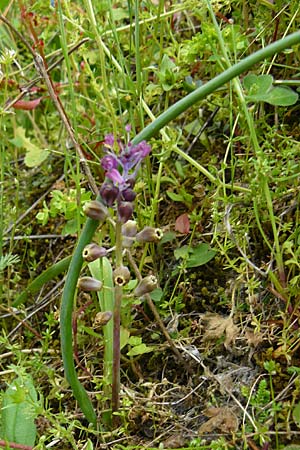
(145, 286)
(115, 176)
(127, 128)
(128, 195)
(130, 182)
(109, 140)
(109, 193)
(89, 284)
(129, 228)
(143, 149)
(149, 234)
(95, 210)
(92, 251)
(121, 275)
(109, 162)
(125, 210)
(102, 318)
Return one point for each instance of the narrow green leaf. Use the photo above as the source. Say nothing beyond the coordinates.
(101, 270)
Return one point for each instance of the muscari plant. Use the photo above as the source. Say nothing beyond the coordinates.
(121, 164)
(115, 203)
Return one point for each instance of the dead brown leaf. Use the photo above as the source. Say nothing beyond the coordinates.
(253, 339)
(217, 326)
(174, 441)
(221, 419)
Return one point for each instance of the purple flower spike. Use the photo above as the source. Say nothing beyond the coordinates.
(109, 162)
(121, 163)
(115, 176)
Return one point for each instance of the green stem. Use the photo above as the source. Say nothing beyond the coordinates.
(43, 278)
(66, 322)
(117, 324)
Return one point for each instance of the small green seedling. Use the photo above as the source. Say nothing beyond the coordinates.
(260, 89)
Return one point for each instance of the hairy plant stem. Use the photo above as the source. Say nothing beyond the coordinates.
(116, 329)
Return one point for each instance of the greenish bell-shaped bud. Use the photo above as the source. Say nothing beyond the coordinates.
(89, 284)
(149, 234)
(127, 241)
(145, 286)
(121, 275)
(95, 210)
(102, 318)
(93, 251)
(129, 228)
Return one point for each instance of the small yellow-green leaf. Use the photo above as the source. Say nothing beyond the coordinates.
(34, 154)
(139, 350)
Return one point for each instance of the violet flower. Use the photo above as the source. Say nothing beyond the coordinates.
(121, 163)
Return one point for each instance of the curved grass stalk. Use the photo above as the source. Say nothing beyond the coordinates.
(34, 287)
(91, 225)
(66, 332)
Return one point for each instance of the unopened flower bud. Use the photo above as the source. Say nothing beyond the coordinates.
(145, 286)
(129, 228)
(92, 251)
(130, 182)
(149, 234)
(109, 193)
(127, 241)
(95, 210)
(121, 275)
(102, 318)
(125, 210)
(89, 284)
(128, 195)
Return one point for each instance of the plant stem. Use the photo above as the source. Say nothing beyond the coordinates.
(116, 329)
(66, 322)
